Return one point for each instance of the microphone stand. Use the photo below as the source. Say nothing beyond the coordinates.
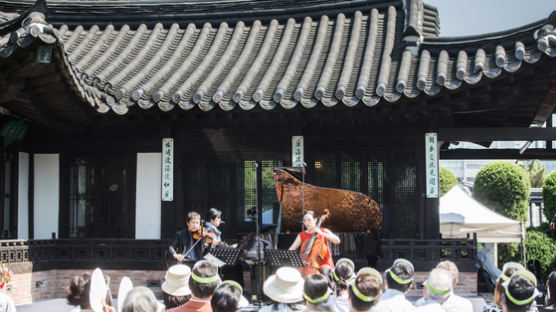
(257, 238)
(303, 192)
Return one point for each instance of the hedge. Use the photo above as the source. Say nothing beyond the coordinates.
(549, 196)
(505, 188)
(447, 181)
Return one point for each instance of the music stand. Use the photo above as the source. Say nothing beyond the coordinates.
(283, 257)
(228, 255)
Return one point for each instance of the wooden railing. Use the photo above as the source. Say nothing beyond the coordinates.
(40, 255)
(86, 254)
(425, 254)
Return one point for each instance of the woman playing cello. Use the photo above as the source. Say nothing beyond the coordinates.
(323, 262)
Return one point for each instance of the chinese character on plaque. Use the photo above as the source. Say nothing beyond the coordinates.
(431, 158)
(167, 169)
(297, 151)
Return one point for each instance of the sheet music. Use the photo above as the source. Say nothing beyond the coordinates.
(215, 260)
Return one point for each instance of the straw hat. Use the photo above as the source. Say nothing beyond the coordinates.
(286, 286)
(176, 280)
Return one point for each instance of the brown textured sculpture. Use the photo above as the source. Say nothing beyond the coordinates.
(349, 211)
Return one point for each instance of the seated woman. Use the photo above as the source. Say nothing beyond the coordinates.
(310, 222)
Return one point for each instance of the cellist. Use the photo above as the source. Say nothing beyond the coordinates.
(310, 223)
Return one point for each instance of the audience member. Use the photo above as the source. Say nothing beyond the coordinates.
(454, 303)
(437, 288)
(141, 299)
(365, 291)
(77, 293)
(202, 283)
(6, 303)
(520, 292)
(285, 289)
(228, 297)
(507, 270)
(551, 294)
(342, 276)
(315, 290)
(175, 289)
(398, 281)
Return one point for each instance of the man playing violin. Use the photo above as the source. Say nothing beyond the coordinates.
(310, 222)
(186, 240)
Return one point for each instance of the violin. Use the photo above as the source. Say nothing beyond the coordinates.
(314, 250)
(208, 237)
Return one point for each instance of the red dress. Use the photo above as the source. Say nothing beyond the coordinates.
(327, 260)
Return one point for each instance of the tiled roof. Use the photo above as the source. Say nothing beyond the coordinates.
(376, 55)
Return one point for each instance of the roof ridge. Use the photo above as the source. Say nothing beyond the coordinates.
(75, 13)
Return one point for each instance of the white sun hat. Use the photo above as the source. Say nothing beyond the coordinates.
(176, 280)
(286, 286)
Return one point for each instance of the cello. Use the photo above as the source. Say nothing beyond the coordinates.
(314, 250)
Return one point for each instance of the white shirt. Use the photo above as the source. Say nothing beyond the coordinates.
(393, 300)
(456, 303)
(339, 304)
(429, 306)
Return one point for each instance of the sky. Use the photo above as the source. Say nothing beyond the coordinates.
(474, 17)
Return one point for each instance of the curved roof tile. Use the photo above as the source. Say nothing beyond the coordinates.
(355, 59)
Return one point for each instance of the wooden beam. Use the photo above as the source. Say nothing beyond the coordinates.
(543, 154)
(496, 134)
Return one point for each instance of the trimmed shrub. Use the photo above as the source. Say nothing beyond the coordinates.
(447, 181)
(508, 252)
(549, 196)
(538, 245)
(505, 188)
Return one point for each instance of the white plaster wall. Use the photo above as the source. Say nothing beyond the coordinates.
(23, 197)
(46, 199)
(148, 196)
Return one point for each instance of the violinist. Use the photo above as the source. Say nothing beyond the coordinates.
(185, 240)
(214, 217)
(310, 221)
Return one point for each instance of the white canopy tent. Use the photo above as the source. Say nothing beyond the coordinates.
(460, 215)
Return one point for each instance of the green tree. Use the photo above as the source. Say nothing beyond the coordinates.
(549, 196)
(505, 188)
(536, 172)
(447, 181)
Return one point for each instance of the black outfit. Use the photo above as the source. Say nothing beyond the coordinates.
(183, 240)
